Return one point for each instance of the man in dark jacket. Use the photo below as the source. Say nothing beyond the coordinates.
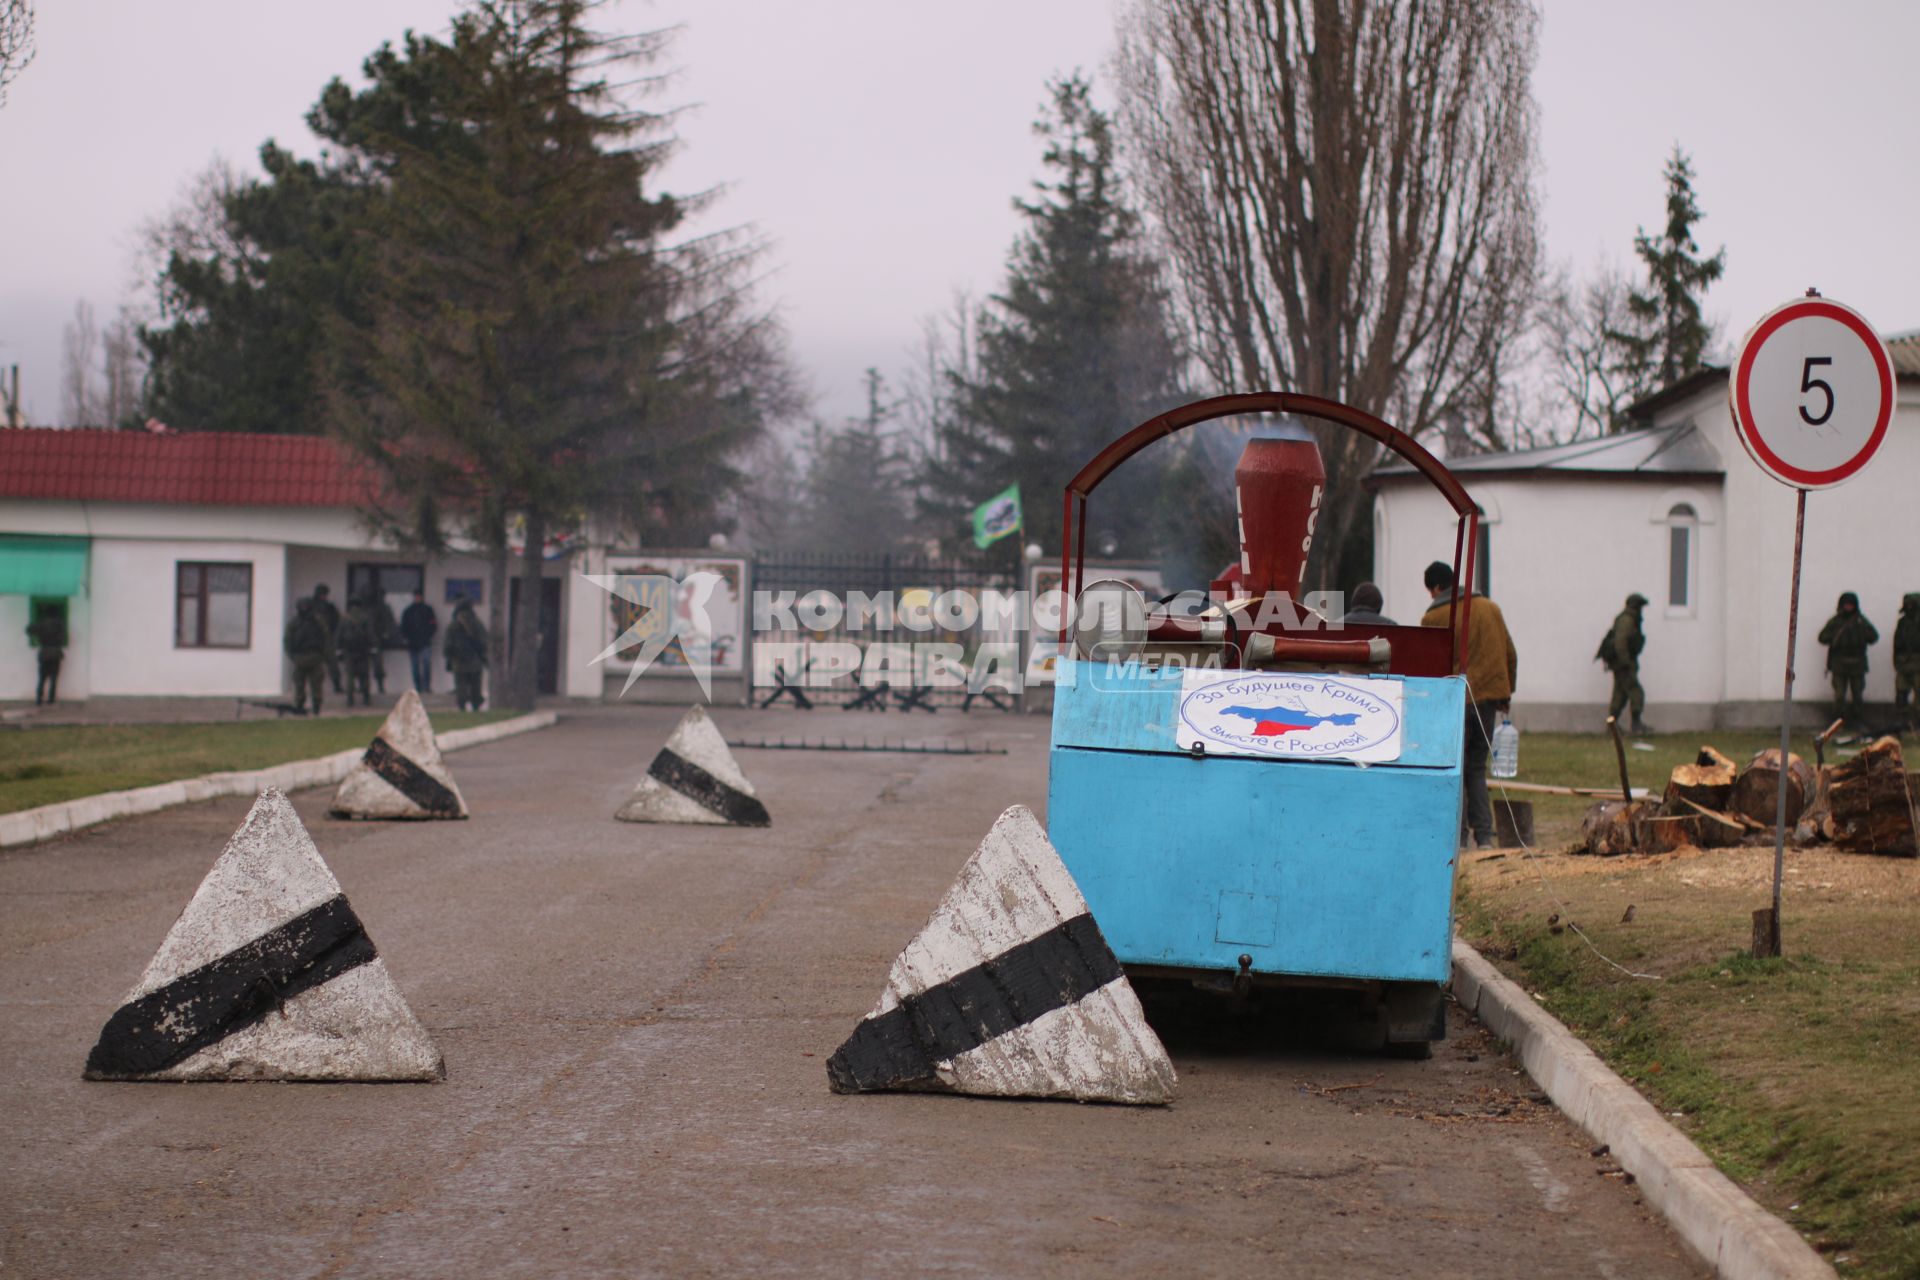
(309, 647)
(417, 627)
(1906, 661)
(1364, 605)
(1847, 636)
(329, 614)
(1621, 652)
(48, 633)
(466, 648)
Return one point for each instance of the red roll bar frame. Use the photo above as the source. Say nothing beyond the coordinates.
(1073, 524)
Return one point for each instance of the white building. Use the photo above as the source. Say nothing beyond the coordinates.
(1679, 513)
(178, 558)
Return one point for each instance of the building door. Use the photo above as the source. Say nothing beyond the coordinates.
(547, 662)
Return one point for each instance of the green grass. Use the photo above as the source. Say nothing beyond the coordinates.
(1799, 1076)
(46, 766)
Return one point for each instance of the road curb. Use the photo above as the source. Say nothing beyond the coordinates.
(1718, 1221)
(30, 826)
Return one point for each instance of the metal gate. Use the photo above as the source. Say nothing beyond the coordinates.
(837, 603)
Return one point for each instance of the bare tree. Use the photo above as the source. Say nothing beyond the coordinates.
(944, 353)
(16, 42)
(196, 229)
(79, 354)
(1585, 366)
(1345, 191)
(120, 354)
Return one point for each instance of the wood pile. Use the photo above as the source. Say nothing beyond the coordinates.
(1707, 804)
(1869, 802)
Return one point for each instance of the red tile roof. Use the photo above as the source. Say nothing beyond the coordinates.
(214, 468)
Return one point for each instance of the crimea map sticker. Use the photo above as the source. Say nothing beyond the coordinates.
(1289, 716)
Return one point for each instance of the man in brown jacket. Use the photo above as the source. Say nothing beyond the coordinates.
(1491, 668)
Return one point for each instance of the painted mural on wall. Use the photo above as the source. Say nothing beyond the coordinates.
(664, 603)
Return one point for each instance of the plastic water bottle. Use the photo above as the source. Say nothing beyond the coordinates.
(1506, 750)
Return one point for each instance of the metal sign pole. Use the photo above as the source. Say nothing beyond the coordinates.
(1766, 933)
(1811, 363)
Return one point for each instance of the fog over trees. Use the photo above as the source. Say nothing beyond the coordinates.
(474, 277)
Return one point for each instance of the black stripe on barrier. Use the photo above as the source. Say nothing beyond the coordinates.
(707, 791)
(899, 1048)
(410, 780)
(171, 1024)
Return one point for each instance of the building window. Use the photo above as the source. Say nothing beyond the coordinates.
(1483, 562)
(212, 605)
(459, 589)
(391, 584)
(1682, 523)
(388, 581)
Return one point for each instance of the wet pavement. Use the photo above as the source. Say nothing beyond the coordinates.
(636, 1022)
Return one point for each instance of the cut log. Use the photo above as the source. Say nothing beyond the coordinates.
(1755, 793)
(1713, 829)
(1706, 782)
(1611, 827)
(1664, 834)
(1870, 807)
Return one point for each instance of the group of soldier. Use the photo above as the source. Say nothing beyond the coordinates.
(1492, 663)
(1848, 635)
(320, 641)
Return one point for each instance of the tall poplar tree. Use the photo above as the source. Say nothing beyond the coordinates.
(1345, 192)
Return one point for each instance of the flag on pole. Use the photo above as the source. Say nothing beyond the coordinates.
(997, 517)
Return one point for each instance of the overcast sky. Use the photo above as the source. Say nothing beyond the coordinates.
(877, 144)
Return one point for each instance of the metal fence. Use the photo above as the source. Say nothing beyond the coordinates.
(866, 600)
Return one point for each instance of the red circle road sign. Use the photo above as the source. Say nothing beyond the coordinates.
(1812, 393)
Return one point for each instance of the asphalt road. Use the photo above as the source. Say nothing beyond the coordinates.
(636, 1022)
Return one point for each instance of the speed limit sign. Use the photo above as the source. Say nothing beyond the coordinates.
(1812, 393)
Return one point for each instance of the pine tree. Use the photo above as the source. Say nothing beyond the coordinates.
(251, 272)
(856, 482)
(533, 346)
(1667, 336)
(1075, 349)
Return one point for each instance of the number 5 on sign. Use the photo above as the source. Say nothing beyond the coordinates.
(1812, 393)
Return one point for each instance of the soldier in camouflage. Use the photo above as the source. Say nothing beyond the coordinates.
(329, 615)
(358, 642)
(1847, 636)
(1906, 661)
(1620, 651)
(309, 646)
(466, 650)
(386, 627)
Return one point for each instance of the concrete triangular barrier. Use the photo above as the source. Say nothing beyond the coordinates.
(402, 775)
(695, 779)
(1009, 991)
(267, 975)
